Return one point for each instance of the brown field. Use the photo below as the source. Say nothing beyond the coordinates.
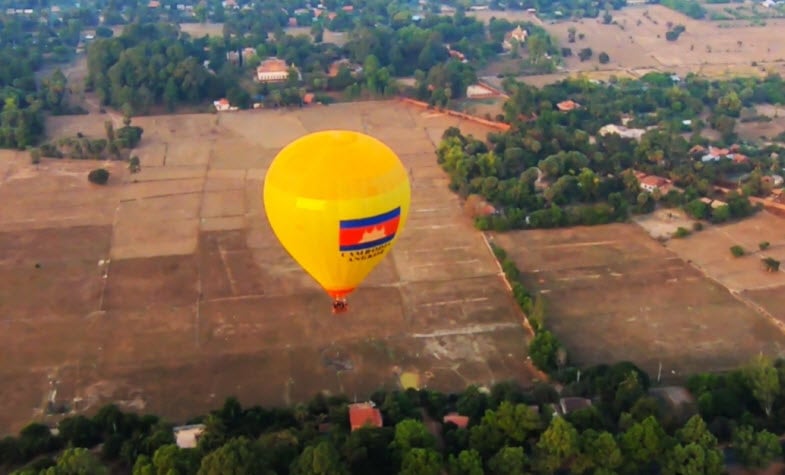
(704, 45)
(613, 293)
(709, 251)
(166, 291)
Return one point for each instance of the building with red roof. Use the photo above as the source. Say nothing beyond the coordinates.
(364, 414)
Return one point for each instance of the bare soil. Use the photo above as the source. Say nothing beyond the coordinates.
(166, 291)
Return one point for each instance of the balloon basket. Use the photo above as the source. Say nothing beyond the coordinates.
(340, 306)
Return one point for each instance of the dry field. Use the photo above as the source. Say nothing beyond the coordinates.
(703, 46)
(709, 251)
(197, 30)
(166, 291)
(613, 293)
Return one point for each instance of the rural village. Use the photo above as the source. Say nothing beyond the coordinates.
(589, 280)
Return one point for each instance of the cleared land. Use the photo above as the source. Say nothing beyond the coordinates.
(613, 293)
(636, 44)
(166, 291)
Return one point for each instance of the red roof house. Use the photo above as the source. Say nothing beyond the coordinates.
(364, 415)
(461, 421)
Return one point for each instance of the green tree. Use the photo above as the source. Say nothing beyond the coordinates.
(642, 444)
(603, 58)
(763, 380)
(508, 461)
(756, 449)
(467, 462)
(76, 461)
(321, 459)
(599, 450)
(410, 434)
(557, 446)
(420, 461)
(239, 456)
(692, 459)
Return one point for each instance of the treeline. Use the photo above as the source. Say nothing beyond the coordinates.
(691, 8)
(511, 430)
(26, 45)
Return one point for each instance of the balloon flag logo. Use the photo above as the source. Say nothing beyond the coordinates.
(337, 200)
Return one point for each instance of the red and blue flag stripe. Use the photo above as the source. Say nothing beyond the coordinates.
(367, 233)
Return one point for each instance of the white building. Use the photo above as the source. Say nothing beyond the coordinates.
(188, 436)
(273, 70)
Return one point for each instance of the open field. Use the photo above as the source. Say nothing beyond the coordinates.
(709, 250)
(642, 44)
(613, 293)
(715, 49)
(166, 291)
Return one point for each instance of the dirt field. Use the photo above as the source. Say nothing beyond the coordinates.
(613, 293)
(703, 47)
(166, 291)
(709, 251)
(715, 49)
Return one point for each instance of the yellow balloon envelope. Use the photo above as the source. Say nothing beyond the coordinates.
(337, 200)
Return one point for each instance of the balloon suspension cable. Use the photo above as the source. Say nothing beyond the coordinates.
(340, 305)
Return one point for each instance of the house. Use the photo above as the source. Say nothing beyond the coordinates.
(273, 70)
(187, 437)
(572, 404)
(622, 131)
(292, 22)
(364, 414)
(455, 54)
(478, 91)
(654, 183)
(223, 105)
(308, 98)
(336, 66)
(154, 4)
(461, 421)
(347, 8)
(715, 154)
(772, 180)
(739, 158)
(568, 105)
(518, 35)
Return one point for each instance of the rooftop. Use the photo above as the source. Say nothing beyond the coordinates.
(364, 414)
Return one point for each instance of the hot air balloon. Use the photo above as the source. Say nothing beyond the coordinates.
(337, 200)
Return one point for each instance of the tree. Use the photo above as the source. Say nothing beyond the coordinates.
(76, 461)
(238, 456)
(321, 459)
(35, 155)
(763, 380)
(571, 34)
(420, 461)
(557, 446)
(737, 251)
(756, 449)
(771, 264)
(585, 54)
(79, 431)
(642, 444)
(599, 450)
(604, 58)
(99, 176)
(508, 461)
(543, 350)
(134, 165)
(467, 462)
(692, 459)
(410, 434)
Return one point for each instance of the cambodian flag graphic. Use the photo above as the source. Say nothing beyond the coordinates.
(367, 233)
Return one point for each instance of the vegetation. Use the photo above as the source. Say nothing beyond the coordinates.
(99, 176)
(511, 430)
(737, 251)
(691, 8)
(548, 172)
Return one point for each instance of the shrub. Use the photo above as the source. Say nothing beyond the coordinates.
(697, 226)
(737, 251)
(764, 245)
(681, 232)
(99, 176)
